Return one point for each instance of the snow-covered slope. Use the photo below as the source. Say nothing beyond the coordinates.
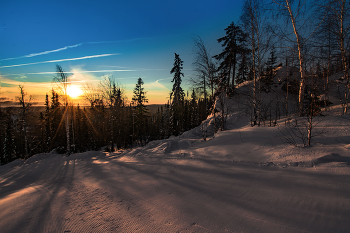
(282, 144)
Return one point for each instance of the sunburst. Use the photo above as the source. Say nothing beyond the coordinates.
(74, 91)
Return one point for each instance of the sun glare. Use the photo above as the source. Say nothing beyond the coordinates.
(74, 91)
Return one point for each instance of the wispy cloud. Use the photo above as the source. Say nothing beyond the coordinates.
(71, 72)
(156, 85)
(43, 53)
(72, 46)
(61, 60)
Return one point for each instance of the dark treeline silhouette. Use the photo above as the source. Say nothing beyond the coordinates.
(116, 126)
(108, 123)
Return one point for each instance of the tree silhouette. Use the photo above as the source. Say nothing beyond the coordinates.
(177, 96)
(139, 99)
(233, 46)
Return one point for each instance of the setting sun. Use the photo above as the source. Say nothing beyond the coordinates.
(74, 91)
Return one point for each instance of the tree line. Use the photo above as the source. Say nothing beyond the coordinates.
(110, 121)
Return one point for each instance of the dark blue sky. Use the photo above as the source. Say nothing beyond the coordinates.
(90, 39)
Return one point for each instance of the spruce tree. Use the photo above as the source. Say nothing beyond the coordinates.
(9, 150)
(47, 119)
(119, 115)
(194, 110)
(178, 96)
(233, 43)
(269, 74)
(177, 93)
(243, 67)
(56, 127)
(139, 99)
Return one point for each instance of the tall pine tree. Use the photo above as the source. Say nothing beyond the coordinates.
(233, 44)
(177, 95)
(139, 99)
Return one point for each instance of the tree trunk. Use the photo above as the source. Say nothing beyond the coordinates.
(25, 136)
(301, 60)
(67, 130)
(255, 117)
(234, 69)
(343, 56)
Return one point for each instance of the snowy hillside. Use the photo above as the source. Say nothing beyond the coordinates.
(241, 179)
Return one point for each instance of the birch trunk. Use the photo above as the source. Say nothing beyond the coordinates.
(301, 60)
(343, 56)
(67, 130)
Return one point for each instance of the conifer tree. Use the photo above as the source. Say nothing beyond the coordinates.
(47, 119)
(177, 94)
(269, 74)
(243, 67)
(9, 149)
(2, 135)
(233, 45)
(87, 131)
(139, 99)
(194, 110)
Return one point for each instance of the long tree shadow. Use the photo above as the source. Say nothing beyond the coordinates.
(52, 179)
(186, 179)
(333, 157)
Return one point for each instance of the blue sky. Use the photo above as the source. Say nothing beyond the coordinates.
(92, 39)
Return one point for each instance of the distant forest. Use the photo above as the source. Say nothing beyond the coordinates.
(311, 37)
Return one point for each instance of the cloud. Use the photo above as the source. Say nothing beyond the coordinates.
(6, 82)
(61, 60)
(80, 75)
(156, 86)
(7, 85)
(70, 72)
(43, 53)
(71, 46)
(10, 88)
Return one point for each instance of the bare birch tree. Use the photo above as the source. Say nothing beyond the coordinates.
(91, 94)
(62, 80)
(255, 26)
(205, 70)
(339, 27)
(24, 104)
(298, 14)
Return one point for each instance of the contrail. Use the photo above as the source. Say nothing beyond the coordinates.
(67, 59)
(43, 53)
(71, 72)
(74, 46)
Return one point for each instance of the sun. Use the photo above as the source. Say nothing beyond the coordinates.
(74, 91)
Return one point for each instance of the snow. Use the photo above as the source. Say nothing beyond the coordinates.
(242, 179)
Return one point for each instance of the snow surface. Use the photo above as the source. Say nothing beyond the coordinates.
(243, 179)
